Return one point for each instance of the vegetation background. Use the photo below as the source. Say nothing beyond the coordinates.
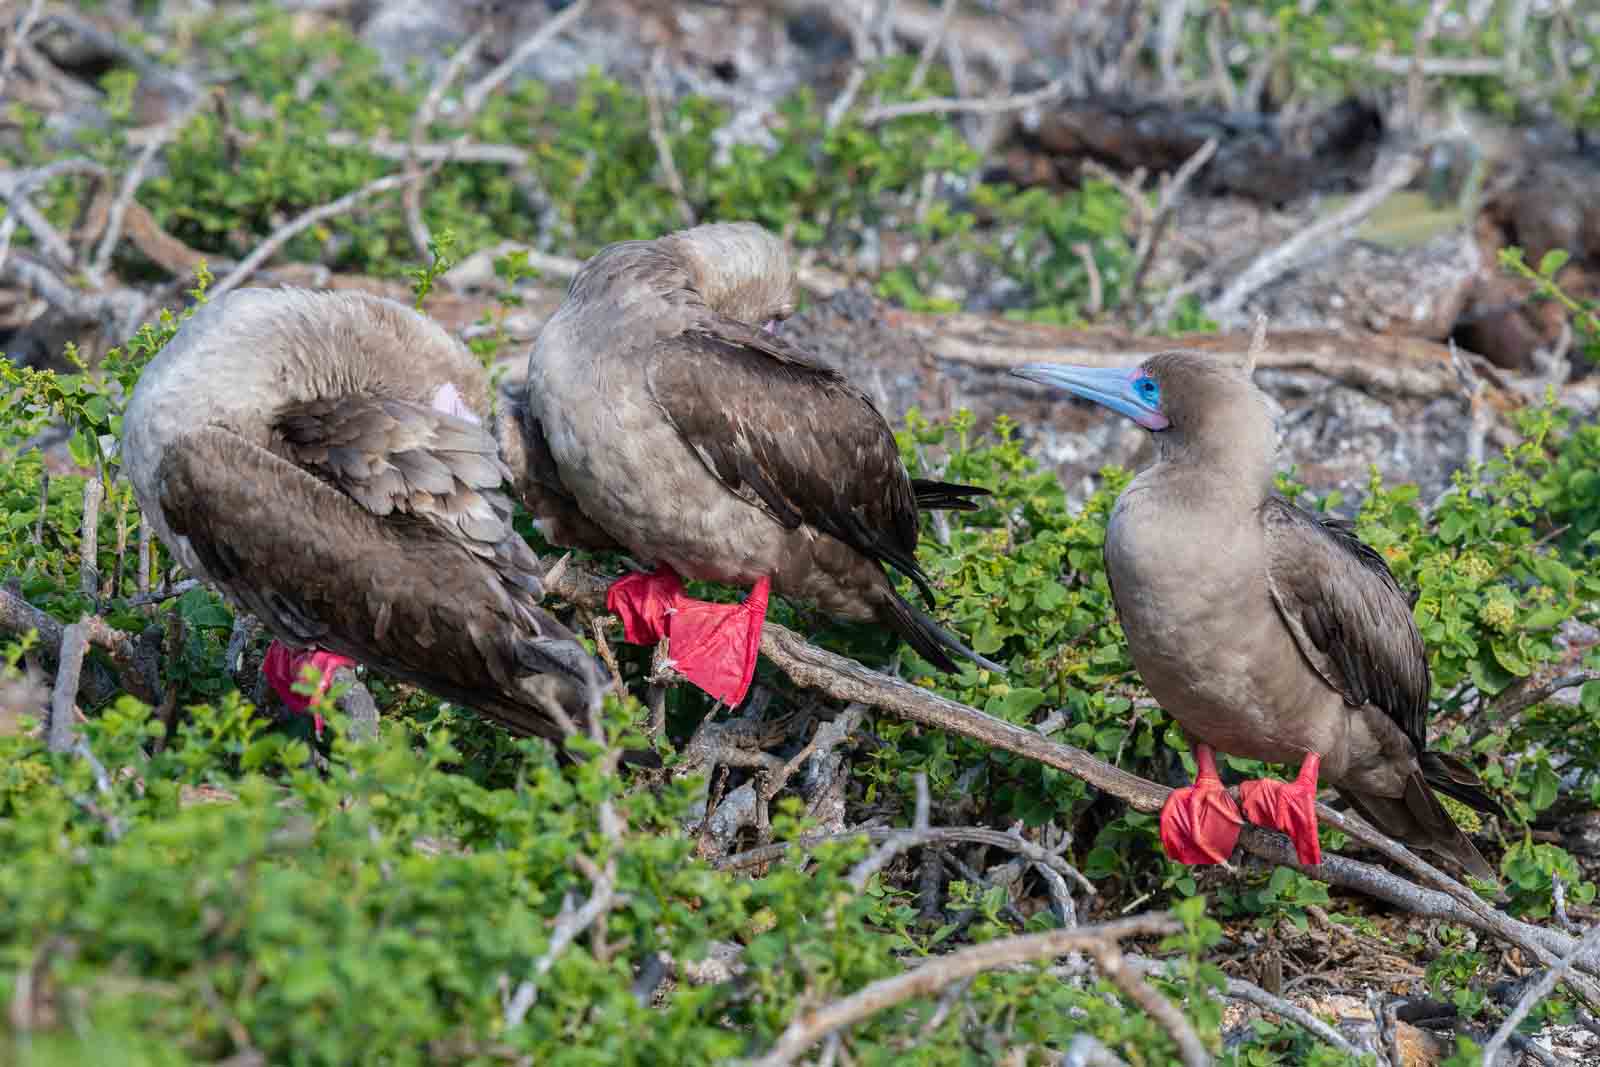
(190, 877)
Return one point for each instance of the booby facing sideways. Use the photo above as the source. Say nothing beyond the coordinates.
(671, 417)
(1268, 632)
(322, 459)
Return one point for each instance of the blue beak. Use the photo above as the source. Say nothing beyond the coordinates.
(1111, 387)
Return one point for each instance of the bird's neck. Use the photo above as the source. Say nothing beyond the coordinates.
(1232, 459)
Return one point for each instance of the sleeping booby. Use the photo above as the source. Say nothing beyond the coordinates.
(1267, 631)
(322, 459)
(667, 415)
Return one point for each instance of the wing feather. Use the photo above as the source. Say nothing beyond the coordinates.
(410, 598)
(1347, 613)
(790, 436)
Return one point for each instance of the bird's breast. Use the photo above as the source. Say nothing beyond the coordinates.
(1193, 599)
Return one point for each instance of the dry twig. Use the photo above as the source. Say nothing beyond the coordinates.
(19, 34)
(897, 843)
(289, 230)
(17, 616)
(1537, 992)
(931, 46)
(945, 105)
(1108, 956)
(1172, 190)
(94, 491)
(1270, 264)
(808, 1028)
(658, 136)
(130, 187)
(411, 198)
(64, 697)
(476, 96)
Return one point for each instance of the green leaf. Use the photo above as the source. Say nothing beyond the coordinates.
(1545, 787)
(1511, 659)
(1553, 261)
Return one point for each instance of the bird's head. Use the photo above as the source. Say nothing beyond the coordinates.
(739, 269)
(1198, 405)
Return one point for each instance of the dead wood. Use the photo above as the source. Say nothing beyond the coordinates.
(1262, 157)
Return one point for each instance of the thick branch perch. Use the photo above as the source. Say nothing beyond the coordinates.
(844, 679)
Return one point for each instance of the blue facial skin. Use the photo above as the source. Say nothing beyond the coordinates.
(1127, 391)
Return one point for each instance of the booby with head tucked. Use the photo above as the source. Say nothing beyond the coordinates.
(668, 415)
(323, 459)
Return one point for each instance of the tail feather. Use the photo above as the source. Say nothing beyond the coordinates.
(933, 642)
(946, 496)
(1455, 779)
(1418, 820)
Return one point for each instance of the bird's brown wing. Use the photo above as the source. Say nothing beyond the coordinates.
(458, 615)
(790, 436)
(1348, 614)
(398, 458)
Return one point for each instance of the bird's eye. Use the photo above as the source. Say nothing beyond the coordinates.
(1147, 389)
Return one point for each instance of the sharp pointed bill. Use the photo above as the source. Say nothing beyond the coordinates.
(1295, 645)
(1127, 391)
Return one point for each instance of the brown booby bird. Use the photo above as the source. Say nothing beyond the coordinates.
(1268, 632)
(666, 414)
(323, 459)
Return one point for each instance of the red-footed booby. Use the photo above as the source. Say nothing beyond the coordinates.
(1268, 632)
(670, 416)
(323, 459)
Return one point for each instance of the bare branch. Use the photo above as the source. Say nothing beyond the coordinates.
(810, 1027)
(1526, 692)
(431, 151)
(1535, 993)
(289, 230)
(64, 697)
(935, 835)
(1275, 261)
(658, 136)
(1250, 993)
(895, 843)
(411, 199)
(949, 106)
(94, 491)
(1430, 66)
(476, 96)
(1107, 954)
(931, 45)
(19, 34)
(1172, 190)
(1424, 38)
(18, 616)
(176, 589)
(130, 187)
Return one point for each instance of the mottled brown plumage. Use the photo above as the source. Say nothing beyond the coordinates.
(1266, 631)
(697, 440)
(323, 459)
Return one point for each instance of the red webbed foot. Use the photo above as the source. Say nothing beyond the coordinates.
(1288, 806)
(284, 667)
(714, 646)
(1200, 823)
